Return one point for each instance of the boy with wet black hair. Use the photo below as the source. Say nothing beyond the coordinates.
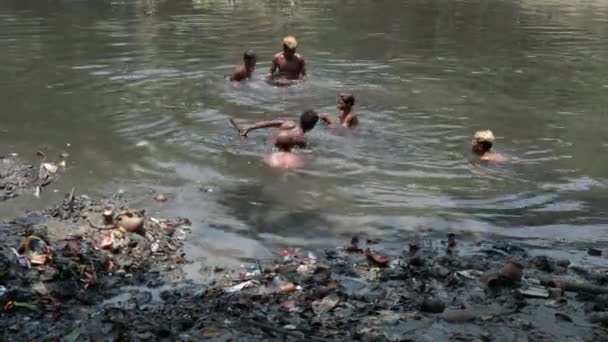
(288, 136)
(245, 70)
(347, 118)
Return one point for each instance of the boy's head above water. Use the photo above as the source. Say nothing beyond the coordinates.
(250, 58)
(289, 46)
(345, 101)
(482, 141)
(308, 120)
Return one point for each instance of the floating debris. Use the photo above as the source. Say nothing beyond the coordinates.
(160, 198)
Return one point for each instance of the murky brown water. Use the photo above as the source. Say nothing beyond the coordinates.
(137, 89)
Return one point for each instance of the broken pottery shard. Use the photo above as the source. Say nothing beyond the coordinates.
(132, 220)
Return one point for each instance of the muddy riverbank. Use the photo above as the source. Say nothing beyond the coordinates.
(97, 270)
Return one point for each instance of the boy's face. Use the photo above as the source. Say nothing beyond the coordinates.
(342, 103)
(288, 52)
(250, 62)
(480, 147)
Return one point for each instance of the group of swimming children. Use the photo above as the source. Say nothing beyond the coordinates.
(287, 67)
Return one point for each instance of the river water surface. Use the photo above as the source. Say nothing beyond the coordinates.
(135, 91)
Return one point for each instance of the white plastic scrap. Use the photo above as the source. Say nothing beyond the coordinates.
(241, 286)
(470, 274)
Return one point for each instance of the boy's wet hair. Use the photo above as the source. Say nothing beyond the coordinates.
(348, 98)
(249, 55)
(308, 120)
(484, 138)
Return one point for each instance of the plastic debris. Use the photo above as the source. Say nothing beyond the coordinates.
(115, 240)
(13, 305)
(251, 275)
(534, 292)
(49, 168)
(469, 274)
(379, 260)
(326, 304)
(288, 254)
(39, 289)
(241, 286)
(88, 276)
(36, 250)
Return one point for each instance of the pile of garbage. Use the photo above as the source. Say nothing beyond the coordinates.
(17, 177)
(433, 291)
(76, 255)
(101, 270)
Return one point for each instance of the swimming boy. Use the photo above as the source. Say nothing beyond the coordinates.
(347, 117)
(288, 136)
(245, 70)
(482, 144)
(288, 64)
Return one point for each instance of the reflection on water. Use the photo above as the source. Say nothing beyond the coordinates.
(138, 90)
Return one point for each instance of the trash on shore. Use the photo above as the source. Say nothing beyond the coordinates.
(115, 240)
(36, 250)
(108, 216)
(46, 174)
(534, 292)
(289, 287)
(131, 220)
(325, 305)
(242, 286)
(353, 247)
(88, 276)
(338, 294)
(378, 259)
